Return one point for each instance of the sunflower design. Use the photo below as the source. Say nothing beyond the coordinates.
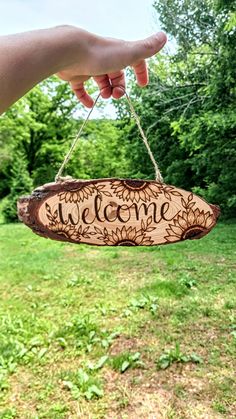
(191, 224)
(127, 237)
(77, 195)
(67, 231)
(136, 190)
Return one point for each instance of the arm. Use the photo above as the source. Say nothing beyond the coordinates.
(75, 55)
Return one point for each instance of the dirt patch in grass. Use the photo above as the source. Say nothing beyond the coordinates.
(177, 392)
(125, 344)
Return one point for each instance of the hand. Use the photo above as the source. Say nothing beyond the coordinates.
(104, 59)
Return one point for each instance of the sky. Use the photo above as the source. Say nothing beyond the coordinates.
(125, 19)
(130, 19)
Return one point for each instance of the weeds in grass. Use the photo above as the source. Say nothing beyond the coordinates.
(8, 414)
(188, 281)
(126, 360)
(176, 356)
(145, 302)
(58, 320)
(76, 281)
(81, 384)
(85, 333)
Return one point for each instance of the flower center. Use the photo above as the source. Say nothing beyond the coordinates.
(126, 243)
(194, 232)
(135, 184)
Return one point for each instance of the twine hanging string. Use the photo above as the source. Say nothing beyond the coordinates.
(74, 142)
(158, 175)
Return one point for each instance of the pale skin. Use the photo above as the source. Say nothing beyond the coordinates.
(74, 55)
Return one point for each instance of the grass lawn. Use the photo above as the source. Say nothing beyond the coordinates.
(88, 332)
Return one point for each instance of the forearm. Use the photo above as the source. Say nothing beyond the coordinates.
(28, 58)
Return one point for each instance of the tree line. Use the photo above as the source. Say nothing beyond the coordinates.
(187, 112)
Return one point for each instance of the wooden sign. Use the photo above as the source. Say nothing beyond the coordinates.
(116, 212)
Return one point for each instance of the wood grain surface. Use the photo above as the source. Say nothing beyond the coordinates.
(116, 212)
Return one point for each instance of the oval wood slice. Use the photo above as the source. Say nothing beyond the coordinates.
(116, 212)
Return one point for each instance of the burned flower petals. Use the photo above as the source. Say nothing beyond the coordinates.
(135, 191)
(67, 231)
(189, 225)
(127, 237)
(77, 195)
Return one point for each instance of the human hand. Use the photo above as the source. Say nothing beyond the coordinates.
(105, 59)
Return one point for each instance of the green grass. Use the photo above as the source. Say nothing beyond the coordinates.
(117, 332)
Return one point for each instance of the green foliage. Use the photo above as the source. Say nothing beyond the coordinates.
(188, 110)
(81, 384)
(47, 327)
(41, 127)
(99, 152)
(126, 360)
(8, 414)
(21, 184)
(144, 302)
(176, 356)
(85, 333)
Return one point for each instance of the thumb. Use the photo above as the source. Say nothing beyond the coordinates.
(147, 47)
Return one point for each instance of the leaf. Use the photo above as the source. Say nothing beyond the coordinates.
(93, 390)
(68, 385)
(167, 195)
(191, 205)
(101, 362)
(42, 352)
(143, 225)
(48, 207)
(164, 364)
(149, 220)
(176, 193)
(149, 229)
(136, 356)
(106, 193)
(100, 187)
(190, 197)
(125, 366)
(98, 230)
(55, 214)
(196, 358)
(183, 203)
(184, 358)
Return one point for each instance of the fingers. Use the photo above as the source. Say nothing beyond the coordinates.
(141, 73)
(131, 53)
(109, 84)
(117, 80)
(82, 95)
(104, 85)
(112, 84)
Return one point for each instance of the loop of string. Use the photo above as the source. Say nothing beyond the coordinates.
(137, 120)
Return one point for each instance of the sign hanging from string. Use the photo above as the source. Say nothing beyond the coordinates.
(116, 212)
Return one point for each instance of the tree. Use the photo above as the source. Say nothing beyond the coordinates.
(188, 110)
(21, 184)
